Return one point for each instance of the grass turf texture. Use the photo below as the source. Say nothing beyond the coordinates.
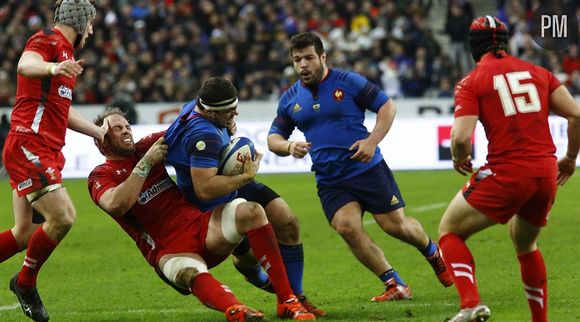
(97, 274)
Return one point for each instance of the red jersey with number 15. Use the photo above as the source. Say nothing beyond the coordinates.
(42, 104)
(511, 98)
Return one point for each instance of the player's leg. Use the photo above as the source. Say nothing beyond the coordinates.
(57, 208)
(460, 221)
(347, 222)
(532, 266)
(380, 195)
(286, 227)
(237, 218)
(16, 239)
(524, 231)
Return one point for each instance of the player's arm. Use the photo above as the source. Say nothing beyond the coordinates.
(278, 143)
(78, 123)
(461, 135)
(33, 65)
(209, 185)
(116, 201)
(365, 149)
(563, 104)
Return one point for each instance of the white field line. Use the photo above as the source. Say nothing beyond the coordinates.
(413, 210)
(9, 307)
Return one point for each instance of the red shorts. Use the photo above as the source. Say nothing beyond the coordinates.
(31, 164)
(187, 237)
(500, 197)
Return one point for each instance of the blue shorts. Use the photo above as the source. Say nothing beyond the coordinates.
(375, 190)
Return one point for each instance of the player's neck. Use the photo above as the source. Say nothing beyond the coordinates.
(67, 31)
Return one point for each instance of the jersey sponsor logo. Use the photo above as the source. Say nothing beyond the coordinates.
(65, 54)
(65, 91)
(394, 200)
(296, 108)
(316, 107)
(98, 185)
(121, 171)
(24, 184)
(154, 190)
(200, 145)
(338, 94)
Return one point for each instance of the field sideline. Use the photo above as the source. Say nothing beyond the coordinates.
(97, 274)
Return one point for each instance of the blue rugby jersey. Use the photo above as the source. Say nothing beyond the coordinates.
(195, 142)
(331, 118)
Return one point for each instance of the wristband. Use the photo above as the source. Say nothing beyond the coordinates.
(289, 146)
(51, 69)
(142, 168)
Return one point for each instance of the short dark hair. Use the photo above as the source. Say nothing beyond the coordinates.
(111, 110)
(306, 39)
(216, 91)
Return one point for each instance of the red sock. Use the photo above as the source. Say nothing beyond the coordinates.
(8, 245)
(460, 263)
(533, 270)
(265, 247)
(212, 293)
(40, 246)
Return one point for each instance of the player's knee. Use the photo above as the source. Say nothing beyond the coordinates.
(251, 215)
(346, 231)
(286, 225)
(181, 270)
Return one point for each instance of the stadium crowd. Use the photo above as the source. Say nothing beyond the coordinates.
(161, 50)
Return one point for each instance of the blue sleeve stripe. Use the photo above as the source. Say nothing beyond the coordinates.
(342, 75)
(367, 95)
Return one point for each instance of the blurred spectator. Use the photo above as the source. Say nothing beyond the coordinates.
(457, 25)
(157, 51)
(123, 101)
(4, 129)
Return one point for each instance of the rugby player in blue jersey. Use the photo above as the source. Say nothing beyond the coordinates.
(196, 139)
(328, 106)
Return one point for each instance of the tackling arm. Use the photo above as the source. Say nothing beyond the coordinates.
(118, 200)
(79, 124)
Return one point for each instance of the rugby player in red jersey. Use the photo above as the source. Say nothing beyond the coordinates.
(47, 72)
(176, 238)
(512, 99)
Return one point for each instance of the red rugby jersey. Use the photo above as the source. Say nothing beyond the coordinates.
(511, 98)
(42, 104)
(160, 205)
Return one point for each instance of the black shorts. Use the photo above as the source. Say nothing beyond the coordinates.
(375, 190)
(257, 192)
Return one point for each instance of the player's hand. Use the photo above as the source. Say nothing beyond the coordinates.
(464, 167)
(103, 132)
(156, 152)
(232, 127)
(566, 167)
(365, 150)
(251, 166)
(299, 149)
(69, 68)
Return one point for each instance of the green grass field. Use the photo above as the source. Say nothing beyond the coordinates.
(97, 274)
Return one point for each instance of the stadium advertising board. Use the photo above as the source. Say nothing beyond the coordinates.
(412, 144)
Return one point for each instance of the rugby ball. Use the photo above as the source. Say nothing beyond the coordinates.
(232, 157)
